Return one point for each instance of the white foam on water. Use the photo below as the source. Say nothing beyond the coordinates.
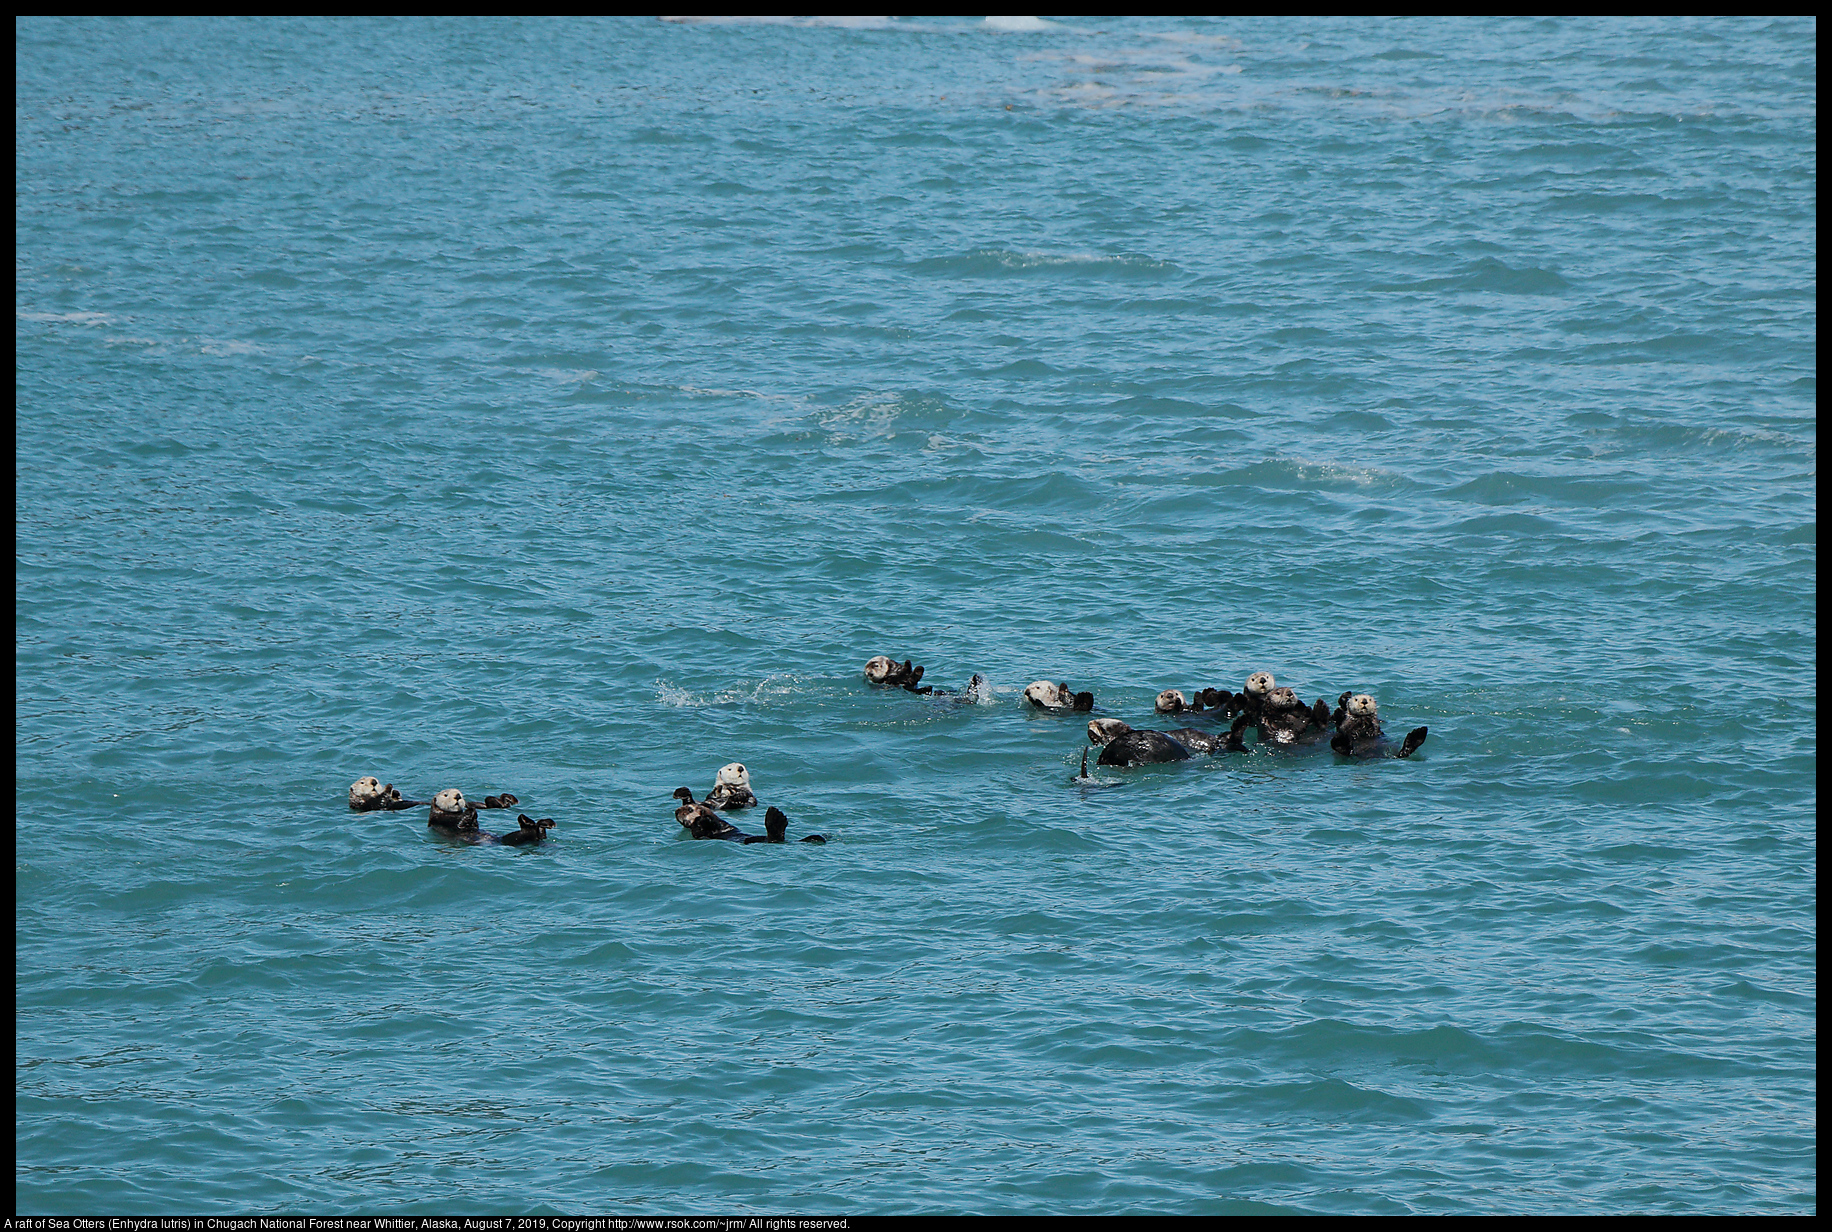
(68, 318)
(1019, 25)
(765, 691)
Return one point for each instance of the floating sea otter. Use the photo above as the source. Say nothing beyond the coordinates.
(453, 815)
(1250, 699)
(1048, 696)
(1283, 719)
(1172, 701)
(1122, 745)
(1358, 731)
(731, 788)
(368, 795)
(886, 672)
(702, 822)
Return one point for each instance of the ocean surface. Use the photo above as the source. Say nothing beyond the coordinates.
(570, 408)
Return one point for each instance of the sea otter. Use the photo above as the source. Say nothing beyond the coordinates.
(1172, 701)
(450, 811)
(731, 788)
(702, 822)
(885, 671)
(368, 795)
(1249, 700)
(1284, 719)
(1047, 696)
(1122, 745)
(1358, 731)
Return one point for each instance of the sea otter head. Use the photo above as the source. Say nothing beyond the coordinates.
(1102, 731)
(364, 790)
(1282, 699)
(1049, 696)
(1259, 684)
(1360, 706)
(879, 669)
(1170, 702)
(732, 776)
(451, 800)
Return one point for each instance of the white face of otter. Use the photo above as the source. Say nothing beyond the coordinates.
(451, 800)
(879, 669)
(1043, 693)
(365, 789)
(1259, 683)
(1282, 699)
(1360, 706)
(1171, 701)
(733, 775)
(1100, 731)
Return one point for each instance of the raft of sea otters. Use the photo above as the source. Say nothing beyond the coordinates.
(1275, 714)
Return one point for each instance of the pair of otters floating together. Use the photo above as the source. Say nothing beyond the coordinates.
(449, 812)
(1276, 713)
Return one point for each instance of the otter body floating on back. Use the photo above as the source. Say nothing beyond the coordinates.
(453, 815)
(1046, 695)
(702, 822)
(1252, 698)
(1122, 745)
(731, 788)
(1358, 732)
(1284, 719)
(888, 673)
(369, 795)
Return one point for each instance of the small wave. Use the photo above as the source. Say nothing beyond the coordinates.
(879, 414)
(211, 346)
(1008, 262)
(1488, 274)
(1298, 474)
(68, 318)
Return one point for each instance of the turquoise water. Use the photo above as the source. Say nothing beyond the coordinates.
(571, 408)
